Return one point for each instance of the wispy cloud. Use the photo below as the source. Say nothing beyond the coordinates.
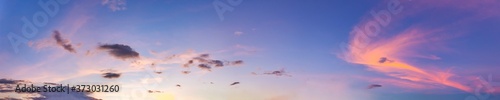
(389, 54)
(280, 72)
(115, 5)
(66, 44)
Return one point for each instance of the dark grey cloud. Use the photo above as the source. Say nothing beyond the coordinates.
(8, 85)
(49, 83)
(237, 62)
(63, 42)
(10, 81)
(205, 62)
(111, 75)
(205, 55)
(234, 83)
(205, 67)
(384, 59)
(4, 91)
(374, 86)
(120, 51)
(280, 72)
(178, 85)
(188, 63)
(217, 63)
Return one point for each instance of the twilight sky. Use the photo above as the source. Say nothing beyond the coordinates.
(254, 50)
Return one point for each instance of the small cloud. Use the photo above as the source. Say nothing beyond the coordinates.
(384, 59)
(204, 67)
(63, 42)
(154, 91)
(186, 65)
(6, 91)
(280, 72)
(374, 86)
(120, 51)
(10, 81)
(111, 75)
(115, 5)
(205, 62)
(178, 85)
(237, 62)
(217, 63)
(205, 55)
(48, 83)
(234, 83)
(185, 72)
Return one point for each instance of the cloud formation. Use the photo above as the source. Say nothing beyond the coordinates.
(375, 42)
(205, 67)
(205, 62)
(374, 86)
(63, 42)
(120, 51)
(234, 83)
(10, 81)
(111, 75)
(280, 72)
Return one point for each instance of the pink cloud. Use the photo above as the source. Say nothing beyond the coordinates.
(390, 54)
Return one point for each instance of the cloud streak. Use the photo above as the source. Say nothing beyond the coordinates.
(390, 53)
(63, 42)
(111, 75)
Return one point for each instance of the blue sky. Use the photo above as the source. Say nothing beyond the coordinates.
(435, 50)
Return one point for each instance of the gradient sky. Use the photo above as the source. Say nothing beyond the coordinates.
(435, 50)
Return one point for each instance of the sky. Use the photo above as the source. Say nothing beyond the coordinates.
(253, 50)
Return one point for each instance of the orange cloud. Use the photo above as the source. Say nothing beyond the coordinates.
(395, 50)
(389, 54)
